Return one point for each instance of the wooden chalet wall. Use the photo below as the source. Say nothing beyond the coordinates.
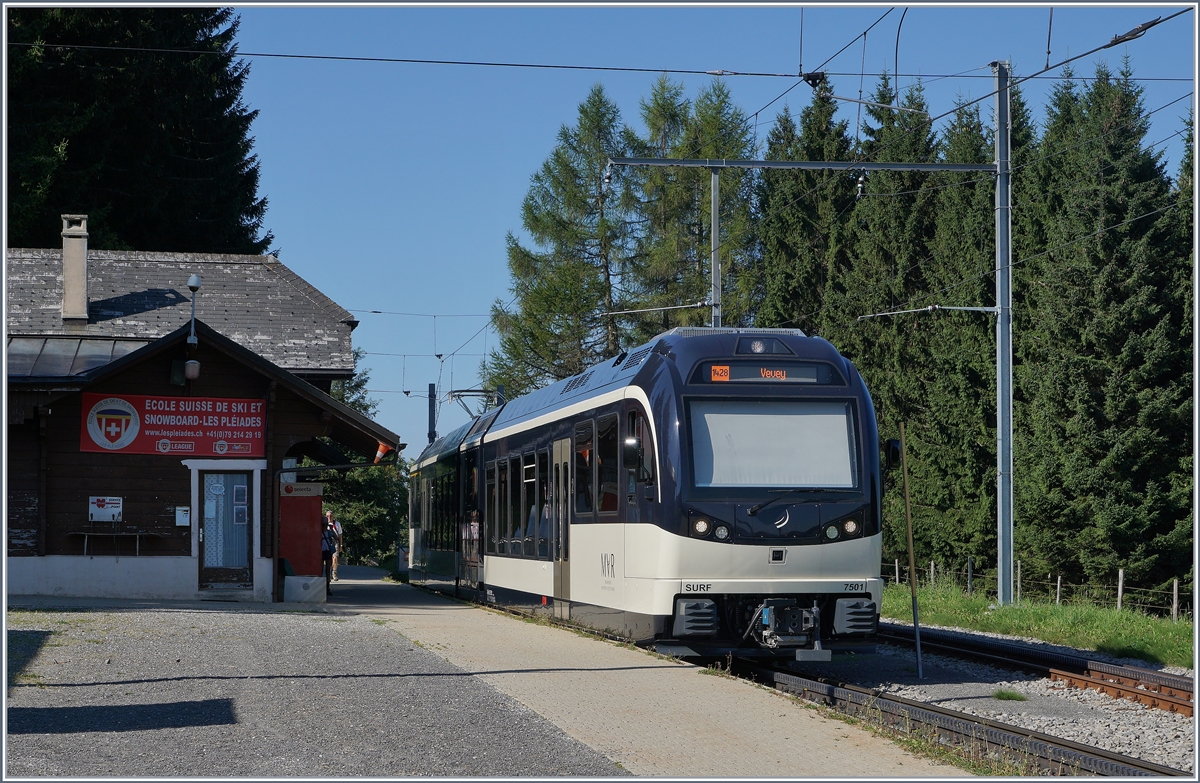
(23, 469)
(152, 485)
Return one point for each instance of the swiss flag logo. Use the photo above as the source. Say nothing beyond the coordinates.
(112, 423)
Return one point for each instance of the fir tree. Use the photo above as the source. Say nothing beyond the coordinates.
(674, 248)
(802, 215)
(891, 230)
(1106, 374)
(153, 145)
(958, 421)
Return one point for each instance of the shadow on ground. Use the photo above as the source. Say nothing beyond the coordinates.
(23, 647)
(127, 717)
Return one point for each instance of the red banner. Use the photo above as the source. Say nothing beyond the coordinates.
(184, 426)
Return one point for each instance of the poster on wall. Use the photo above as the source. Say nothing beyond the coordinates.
(185, 426)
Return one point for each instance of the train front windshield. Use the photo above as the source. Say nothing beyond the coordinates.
(774, 444)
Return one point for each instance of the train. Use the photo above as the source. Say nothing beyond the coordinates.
(712, 492)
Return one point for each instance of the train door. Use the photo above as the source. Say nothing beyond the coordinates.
(470, 558)
(560, 504)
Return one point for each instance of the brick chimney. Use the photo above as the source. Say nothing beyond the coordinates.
(75, 275)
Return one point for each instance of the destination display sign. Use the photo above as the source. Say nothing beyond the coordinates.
(766, 372)
(187, 426)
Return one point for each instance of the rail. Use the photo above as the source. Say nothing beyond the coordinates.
(1170, 692)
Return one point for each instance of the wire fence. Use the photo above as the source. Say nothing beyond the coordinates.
(1050, 588)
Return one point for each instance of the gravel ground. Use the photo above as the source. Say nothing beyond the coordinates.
(1085, 716)
(263, 694)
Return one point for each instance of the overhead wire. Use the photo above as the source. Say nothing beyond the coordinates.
(991, 269)
(1059, 246)
(550, 66)
(405, 60)
(865, 158)
(424, 315)
(1092, 140)
(692, 151)
(1132, 35)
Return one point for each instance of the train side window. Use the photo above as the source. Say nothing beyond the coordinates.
(641, 433)
(415, 516)
(443, 511)
(471, 488)
(514, 505)
(449, 509)
(585, 457)
(543, 506)
(502, 506)
(490, 509)
(439, 511)
(529, 505)
(606, 452)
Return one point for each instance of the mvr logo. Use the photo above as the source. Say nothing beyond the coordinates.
(608, 565)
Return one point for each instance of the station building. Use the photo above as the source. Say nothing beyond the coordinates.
(146, 449)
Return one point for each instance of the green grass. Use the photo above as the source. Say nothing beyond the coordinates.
(1128, 633)
(1006, 695)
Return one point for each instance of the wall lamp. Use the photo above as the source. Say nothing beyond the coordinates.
(191, 368)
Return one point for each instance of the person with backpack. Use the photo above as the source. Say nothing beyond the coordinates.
(329, 545)
(337, 528)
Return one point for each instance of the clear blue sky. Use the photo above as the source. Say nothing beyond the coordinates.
(392, 186)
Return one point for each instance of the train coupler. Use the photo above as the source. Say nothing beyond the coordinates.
(780, 623)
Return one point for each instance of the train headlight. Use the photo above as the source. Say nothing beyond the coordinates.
(832, 532)
(722, 533)
(850, 526)
(701, 526)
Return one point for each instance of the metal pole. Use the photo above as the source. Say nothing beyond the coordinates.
(1120, 587)
(1004, 460)
(970, 575)
(1058, 592)
(716, 237)
(1175, 600)
(432, 412)
(912, 563)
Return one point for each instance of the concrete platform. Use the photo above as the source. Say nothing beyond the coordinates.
(653, 716)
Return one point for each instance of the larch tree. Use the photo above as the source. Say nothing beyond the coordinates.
(661, 264)
(565, 289)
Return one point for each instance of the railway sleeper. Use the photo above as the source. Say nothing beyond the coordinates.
(1126, 690)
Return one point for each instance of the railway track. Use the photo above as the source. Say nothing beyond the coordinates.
(1169, 692)
(977, 736)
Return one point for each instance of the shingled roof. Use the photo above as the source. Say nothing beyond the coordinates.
(255, 301)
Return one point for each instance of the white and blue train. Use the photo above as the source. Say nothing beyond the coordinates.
(713, 491)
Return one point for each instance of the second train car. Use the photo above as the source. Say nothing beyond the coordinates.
(713, 491)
